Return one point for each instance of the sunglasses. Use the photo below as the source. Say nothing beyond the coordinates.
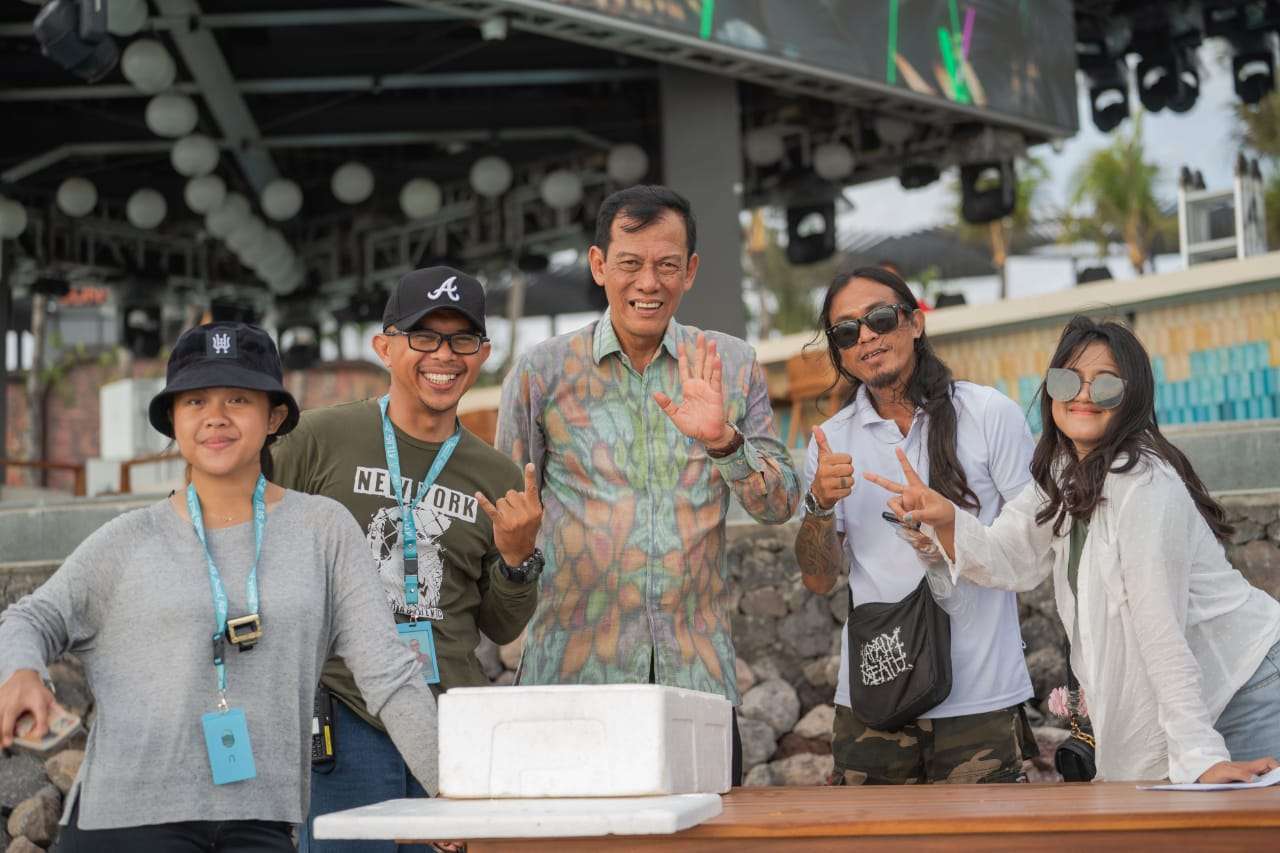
(1063, 384)
(880, 320)
(461, 343)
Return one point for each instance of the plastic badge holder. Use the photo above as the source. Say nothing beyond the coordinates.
(615, 740)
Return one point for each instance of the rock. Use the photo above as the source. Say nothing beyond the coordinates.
(815, 672)
(792, 744)
(506, 678)
(838, 603)
(805, 768)
(487, 654)
(1034, 715)
(817, 723)
(753, 636)
(70, 685)
(1048, 739)
(774, 702)
(22, 845)
(1048, 669)
(766, 601)
(63, 767)
(760, 776)
(833, 667)
(811, 697)
(1247, 531)
(1259, 562)
(21, 777)
(510, 653)
(1273, 532)
(807, 631)
(36, 817)
(746, 678)
(758, 741)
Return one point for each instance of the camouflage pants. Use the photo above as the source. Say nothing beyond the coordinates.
(987, 747)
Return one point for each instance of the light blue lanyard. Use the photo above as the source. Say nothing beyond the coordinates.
(215, 580)
(408, 529)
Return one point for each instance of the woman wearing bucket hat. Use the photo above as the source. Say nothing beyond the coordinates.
(203, 621)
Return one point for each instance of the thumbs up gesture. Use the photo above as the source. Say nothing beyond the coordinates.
(516, 518)
(834, 478)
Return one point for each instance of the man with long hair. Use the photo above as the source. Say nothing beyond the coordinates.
(973, 444)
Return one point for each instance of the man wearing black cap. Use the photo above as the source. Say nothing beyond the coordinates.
(472, 530)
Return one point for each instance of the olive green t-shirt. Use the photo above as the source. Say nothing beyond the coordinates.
(337, 452)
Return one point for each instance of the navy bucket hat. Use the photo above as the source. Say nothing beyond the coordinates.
(222, 355)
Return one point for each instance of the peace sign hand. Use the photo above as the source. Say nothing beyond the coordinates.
(516, 518)
(914, 501)
(833, 480)
(701, 412)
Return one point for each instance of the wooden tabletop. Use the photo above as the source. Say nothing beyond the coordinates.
(1101, 816)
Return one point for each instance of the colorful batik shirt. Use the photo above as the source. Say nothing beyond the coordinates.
(634, 511)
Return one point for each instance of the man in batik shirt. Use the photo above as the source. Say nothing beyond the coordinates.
(639, 428)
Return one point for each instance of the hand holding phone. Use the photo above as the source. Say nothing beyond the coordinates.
(62, 726)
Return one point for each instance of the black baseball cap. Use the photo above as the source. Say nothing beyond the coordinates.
(222, 355)
(425, 291)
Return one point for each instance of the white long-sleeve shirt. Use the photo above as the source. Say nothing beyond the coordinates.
(1168, 630)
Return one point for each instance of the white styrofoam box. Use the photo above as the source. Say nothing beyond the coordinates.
(577, 740)
(444, 820)
(124, 430)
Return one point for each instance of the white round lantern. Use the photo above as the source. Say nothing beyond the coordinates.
(195, 155)
(420, 198)
(171, 115)
(561, 189)
(148, 66)
(146, 209)
(226, 216)
(271, 247)
(352, 183)
(833, 161)
(245, 233)
(205, 193)
(126, 17)
(763, 146)
(277, 266)
(13, 218)
(491, 176)
(894, 131)
(627, 163)
(77, 196)
(281, 199)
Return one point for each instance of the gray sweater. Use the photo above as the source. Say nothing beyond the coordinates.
(133, 602)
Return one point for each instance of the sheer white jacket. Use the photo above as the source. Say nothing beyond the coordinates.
(1168, 630)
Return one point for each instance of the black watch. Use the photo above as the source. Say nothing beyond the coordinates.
(527, 571)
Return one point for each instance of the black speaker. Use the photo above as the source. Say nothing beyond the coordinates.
(811, 232)
(988, 191)
(73, 33)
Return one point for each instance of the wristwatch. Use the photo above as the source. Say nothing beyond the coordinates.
(527, 571)
(734, 443)
(811, 507)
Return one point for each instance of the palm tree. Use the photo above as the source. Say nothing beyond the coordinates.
(1117, 188)
(1004, 236)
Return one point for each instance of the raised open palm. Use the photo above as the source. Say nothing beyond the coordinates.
(700, 414)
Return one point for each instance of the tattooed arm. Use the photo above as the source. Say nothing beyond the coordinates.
(820, 553)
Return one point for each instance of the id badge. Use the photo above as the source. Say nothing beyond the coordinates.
(226, 737)
(418, 637)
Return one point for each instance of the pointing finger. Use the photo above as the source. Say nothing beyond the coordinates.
(913, 478)
(896, 488)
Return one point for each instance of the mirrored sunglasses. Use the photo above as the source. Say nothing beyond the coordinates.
(1063, 384)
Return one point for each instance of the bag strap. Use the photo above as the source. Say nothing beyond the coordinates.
(1073, 700)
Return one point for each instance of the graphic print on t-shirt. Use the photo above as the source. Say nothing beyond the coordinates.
(432, 517)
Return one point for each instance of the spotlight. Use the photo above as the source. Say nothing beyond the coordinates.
(1253, 69)
(73, 33)
(1167, 78)
(988, 191)
(300, 345)
(916, 175)
(142, 330)
(1187, 92)
(1109, 95)
(811, 232)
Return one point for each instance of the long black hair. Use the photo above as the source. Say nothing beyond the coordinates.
(929, 388)
(1073, 486)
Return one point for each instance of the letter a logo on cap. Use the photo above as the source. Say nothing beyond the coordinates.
(221, 345)
(448, 287)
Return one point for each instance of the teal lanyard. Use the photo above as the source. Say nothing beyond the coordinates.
(215, 580)
(408, 529)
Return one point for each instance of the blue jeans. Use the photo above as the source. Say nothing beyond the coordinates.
(367, 769)
(1250, 724)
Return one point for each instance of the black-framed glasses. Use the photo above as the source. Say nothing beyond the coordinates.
(1063, 384)
(426, 340)
(881, 320)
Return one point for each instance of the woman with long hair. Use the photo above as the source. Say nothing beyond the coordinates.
(976, 448)
(1178, 655)
(203, 621)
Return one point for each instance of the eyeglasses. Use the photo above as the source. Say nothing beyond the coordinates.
(1063, 384)
(425, 340)
(880, 320)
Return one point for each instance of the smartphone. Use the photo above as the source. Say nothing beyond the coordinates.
(893, 519)
(63, 725)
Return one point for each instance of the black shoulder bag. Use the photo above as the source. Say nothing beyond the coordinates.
(1074, 757)
(899, 659)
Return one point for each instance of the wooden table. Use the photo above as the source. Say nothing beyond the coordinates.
(1103, 816)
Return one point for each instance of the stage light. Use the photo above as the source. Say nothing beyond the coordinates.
(73, 33)
(811, 232)
(988, 191)
(1253, 69)
(1167, 78)
(1109, 95)
(916, 175)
